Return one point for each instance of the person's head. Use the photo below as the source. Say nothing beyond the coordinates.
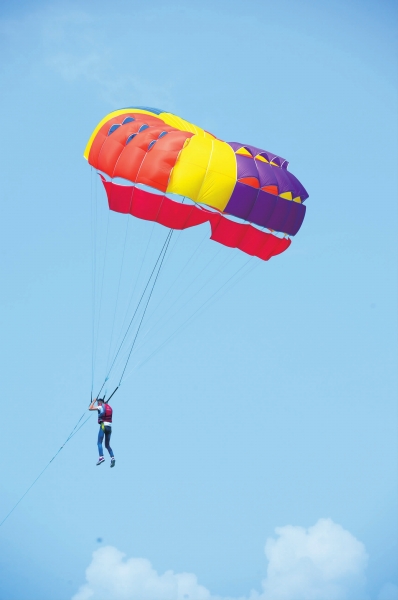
(100, 401)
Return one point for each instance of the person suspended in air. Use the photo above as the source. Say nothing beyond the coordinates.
(105, 430)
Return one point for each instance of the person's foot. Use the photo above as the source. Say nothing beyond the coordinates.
(112, 461)
(100, 461)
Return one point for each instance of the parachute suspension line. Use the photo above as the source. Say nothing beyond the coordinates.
(28, 490)
(114, 392)
(168, 257)
(135, 285)
(120, 276)
(183, 268)
(187, 288)
(165, 245)
(177, 238)
(117, 294)
(201, 308)
(124, 337)
(93, 272)
(131, 203)
(147, 303)
(70, 436)
(79, 425)
(102, 287)
(208, 302)
(206, 236)
(74, 431)
(220, 267)
(139, 303)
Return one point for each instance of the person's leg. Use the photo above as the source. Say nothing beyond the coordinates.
(108, 433)
(100, 440)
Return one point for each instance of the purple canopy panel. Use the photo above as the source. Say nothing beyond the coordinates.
(258, 206)
(254, 151)
(283, 179)
(266, 210)
(297, 187)
(246, 166)
(278, 160)
(284, 183)
(242, 199)
(300, 214)
(295, 217)
(263, 208)
(277, 213)
(280, 215)
(236, 146)
(266, 173)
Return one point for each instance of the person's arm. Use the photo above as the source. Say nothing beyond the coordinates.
(92, 407)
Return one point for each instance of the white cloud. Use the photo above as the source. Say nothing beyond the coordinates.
(111, 576)
(323, 562)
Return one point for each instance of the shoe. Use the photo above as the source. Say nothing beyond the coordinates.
(113, 461)
(100, 461)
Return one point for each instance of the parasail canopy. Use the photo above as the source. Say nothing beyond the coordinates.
(180, 176)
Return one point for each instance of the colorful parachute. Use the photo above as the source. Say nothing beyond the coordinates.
(186, 176)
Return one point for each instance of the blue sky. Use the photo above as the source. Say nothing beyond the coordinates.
(273, 408)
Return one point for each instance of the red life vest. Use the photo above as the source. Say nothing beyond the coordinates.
(107, 416)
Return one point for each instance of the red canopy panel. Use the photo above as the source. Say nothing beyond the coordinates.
(153, 207)
(247, 238)
(102, 135)
(143, 156)
(175, 215)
